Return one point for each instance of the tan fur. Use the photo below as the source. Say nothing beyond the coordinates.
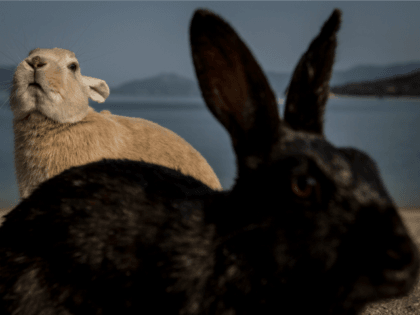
(55, 128)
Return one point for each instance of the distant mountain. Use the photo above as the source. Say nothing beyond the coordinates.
(166, 84)
(280, 80)
(369, 73)
(170, 84)
(397, 85)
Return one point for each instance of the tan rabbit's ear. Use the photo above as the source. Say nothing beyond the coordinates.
(98, 90)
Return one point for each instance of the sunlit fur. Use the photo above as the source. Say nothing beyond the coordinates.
(55, 128)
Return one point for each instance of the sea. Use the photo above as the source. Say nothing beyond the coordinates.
(387, 129)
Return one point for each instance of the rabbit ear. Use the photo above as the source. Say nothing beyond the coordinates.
(233, 84)
(98, 89)
(309, 88)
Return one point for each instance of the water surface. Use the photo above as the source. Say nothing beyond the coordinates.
(388, 130)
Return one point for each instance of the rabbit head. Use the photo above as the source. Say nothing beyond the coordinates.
(49, 83)
(307, 228)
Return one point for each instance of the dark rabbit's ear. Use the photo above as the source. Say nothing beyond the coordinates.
(308, 91)
(233, 84)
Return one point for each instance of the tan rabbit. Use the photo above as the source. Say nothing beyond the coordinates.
(55, 128)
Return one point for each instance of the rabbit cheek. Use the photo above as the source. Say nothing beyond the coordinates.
(22, 99)
(67, 101)
(23, 103)
(76, 93)
(53, 82)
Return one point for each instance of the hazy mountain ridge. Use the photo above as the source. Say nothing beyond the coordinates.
(173, 84)
(170, 84)
(398, 85)
(369, 72)
(363, 74)
(166, 84)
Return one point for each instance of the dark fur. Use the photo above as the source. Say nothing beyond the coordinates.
(307, 229)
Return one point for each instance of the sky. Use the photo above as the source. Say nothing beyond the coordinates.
(121, 41)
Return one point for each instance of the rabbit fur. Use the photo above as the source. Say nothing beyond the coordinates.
(308, 228)
(55, 128)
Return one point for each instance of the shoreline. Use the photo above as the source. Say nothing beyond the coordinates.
(408, 209)
(384, 98)
(389, 98)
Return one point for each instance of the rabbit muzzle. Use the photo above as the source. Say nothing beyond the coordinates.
(392, 260)
(401, 269)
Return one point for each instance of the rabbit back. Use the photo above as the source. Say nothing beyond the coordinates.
(120, 246)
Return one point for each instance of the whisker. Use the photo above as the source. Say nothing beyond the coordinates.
(65, 40)
(82, 34)
(8, 56)
(14, 61)
(19, 58)
(5, 86)
(6, 89)
(15, 53)
(7, 99)
(24, 41)
(19, 44)
(84, 51)
(105, 54)
(6, 69)
(36, 37)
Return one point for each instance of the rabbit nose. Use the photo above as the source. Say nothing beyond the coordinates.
(36, 62)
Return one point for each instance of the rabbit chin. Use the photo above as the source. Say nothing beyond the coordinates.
(52, 105)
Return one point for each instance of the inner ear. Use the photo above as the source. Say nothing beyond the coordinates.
(94, 95)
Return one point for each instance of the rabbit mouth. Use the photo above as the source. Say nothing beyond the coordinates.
(394, 283)
(400, 280)
(35, 85)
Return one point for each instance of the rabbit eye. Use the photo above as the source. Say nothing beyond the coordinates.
(73, 67)
(303, 186)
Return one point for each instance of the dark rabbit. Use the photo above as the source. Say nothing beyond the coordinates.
(307, 229)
